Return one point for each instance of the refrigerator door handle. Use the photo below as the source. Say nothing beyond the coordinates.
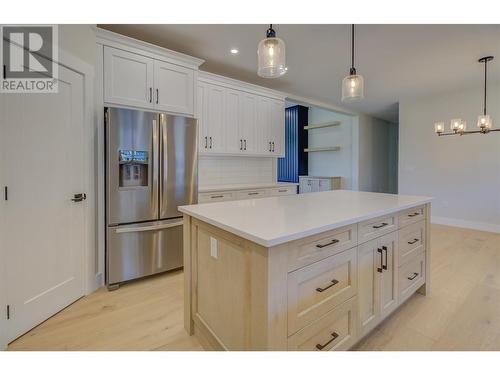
(149, 228)
(155, 167)
(163, 161)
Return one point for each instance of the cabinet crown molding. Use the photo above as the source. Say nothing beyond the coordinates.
(153, 51)
(235, 84)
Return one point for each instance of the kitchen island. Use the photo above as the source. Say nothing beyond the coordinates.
(316, 271)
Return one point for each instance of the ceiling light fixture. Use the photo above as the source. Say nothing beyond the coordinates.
(352, 85)
(271, 55)
(234, 51)
(484, 123)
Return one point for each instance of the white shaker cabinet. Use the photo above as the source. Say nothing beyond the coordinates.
(277, 128)
(131, 79)
(211, 117)
(128, 78)
(378, 281)
(248, 123)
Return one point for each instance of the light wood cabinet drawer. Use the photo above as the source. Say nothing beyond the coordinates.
(316, 289)
(411, 215)
(411, 276)
(251, 194)
(215, 197)
(373, 228)
(285, 190)
(411, 241)
(320, 246)
(333, 331)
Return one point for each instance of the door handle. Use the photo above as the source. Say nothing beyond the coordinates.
(415, 274)
(149, 228)
(206, 140)
(379, 269)
(412, 242)
(333, 282)
(384, 266)
(269, 146)
(157, 96)
(321, 347)
(241, 144)
(380, 226)
(210, 142)
(245, 142)
(150, 94)
(273, 146)
(332, 242)
(79, 197)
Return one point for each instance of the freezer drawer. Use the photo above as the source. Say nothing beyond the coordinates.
(145, 249)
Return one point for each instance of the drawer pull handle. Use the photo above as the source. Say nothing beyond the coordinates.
(332, 242)
(321, 347)
(282, 191)
(384, 266)
(414, 214)
(412, 242)
(217, 196)
(253, 193)
(334, 282)
(380, 226)
(415, 274)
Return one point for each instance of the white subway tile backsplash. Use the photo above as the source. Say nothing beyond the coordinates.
(222, 170)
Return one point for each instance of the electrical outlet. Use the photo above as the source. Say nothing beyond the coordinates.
(213, 247)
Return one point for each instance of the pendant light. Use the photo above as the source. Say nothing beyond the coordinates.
(352, 85)
(484, 123)
(271, 55)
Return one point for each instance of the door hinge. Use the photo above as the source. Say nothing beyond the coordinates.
(6, 193)
(8, 312)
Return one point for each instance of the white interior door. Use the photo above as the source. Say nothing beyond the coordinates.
(42, 160)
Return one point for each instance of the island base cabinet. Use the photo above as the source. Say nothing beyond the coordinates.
(336, 330)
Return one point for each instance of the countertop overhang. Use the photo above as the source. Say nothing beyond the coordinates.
(276, 220)
(228, 187)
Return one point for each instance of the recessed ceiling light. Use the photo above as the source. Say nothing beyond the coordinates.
(234, 51)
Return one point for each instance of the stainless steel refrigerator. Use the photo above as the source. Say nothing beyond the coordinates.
(151, 169)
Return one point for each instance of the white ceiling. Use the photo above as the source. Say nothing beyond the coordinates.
(396, 61)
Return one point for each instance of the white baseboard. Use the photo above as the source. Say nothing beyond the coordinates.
(486, 227)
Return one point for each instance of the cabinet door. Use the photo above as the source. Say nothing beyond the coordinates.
(314, 185)
(369, 263)
(232, 136)
(202, 116)
(278, 127)
(325, 184)
(173, 91)
(263, 128)
(128, 78)
(248, 122)
(388, 278)
(215, 119)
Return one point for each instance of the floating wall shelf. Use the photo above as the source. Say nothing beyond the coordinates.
(317, 149)
(325, 125)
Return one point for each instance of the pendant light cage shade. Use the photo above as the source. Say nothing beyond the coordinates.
(352, 88)
(271, 56)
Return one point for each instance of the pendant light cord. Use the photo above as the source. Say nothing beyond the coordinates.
(485, 80)
(352, 71)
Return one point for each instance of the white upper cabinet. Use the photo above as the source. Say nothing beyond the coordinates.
(131, 79)
(173, 88)
(128, 78)
(277, 128)
(233, 137)
(211, 118)
(248, 122)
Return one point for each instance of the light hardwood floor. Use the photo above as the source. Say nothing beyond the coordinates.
(462, 313)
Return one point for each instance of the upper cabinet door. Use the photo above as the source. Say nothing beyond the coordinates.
(263, 131)
(128, 78)
(215, 121)
(233, 137)
(248, 122)
(278, 127)
(173, 91)
(202, 116)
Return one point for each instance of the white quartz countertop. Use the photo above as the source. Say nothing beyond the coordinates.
(263, 185)
(276, 220)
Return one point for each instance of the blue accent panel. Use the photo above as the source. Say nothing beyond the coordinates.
(295, 161)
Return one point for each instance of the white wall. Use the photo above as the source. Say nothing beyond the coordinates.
(79, 40)
(228, 170)
(377, 161)
(332, 163)
(462, 173)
